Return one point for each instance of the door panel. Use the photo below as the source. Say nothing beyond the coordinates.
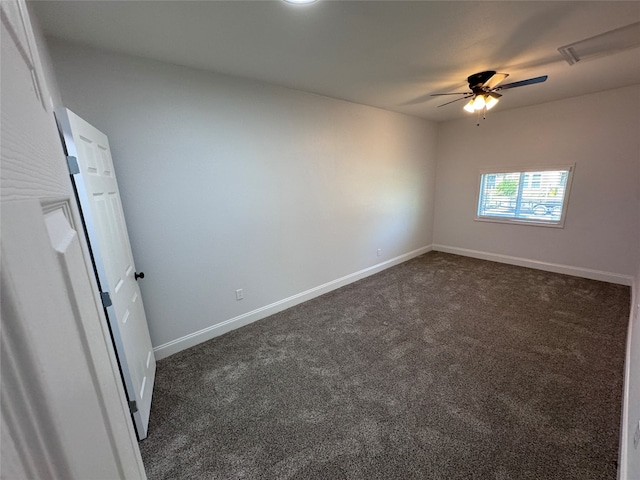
(101, 207)
(64, 412)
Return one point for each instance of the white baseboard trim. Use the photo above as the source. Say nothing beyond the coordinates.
(182, 343)
(546, 266)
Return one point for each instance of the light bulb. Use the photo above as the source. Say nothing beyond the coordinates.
(469, 107)
(491, 102)
(479, 102)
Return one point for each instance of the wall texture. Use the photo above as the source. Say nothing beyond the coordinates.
(230, 184)
(599, 133)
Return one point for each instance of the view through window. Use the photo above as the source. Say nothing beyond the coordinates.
(530, 197)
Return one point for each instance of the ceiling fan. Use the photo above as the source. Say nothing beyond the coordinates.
(484, 87)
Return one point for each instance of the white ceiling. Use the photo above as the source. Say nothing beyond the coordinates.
(388, 54)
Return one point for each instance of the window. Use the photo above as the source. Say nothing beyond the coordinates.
(536, 178)
(536, 196)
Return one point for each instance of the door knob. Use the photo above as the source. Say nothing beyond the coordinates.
(138, 275)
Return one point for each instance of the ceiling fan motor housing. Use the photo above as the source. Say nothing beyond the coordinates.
(479, 79)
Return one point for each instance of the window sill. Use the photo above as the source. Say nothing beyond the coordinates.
(519, 221)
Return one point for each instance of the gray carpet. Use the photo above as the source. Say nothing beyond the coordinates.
(443, 367)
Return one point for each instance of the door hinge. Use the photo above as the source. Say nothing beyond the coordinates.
(72, 163)
(133, 406)
(106, 299)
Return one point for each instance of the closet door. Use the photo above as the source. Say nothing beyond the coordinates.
(96, 187)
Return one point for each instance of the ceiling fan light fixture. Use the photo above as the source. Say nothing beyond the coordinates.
(492, 100)
(469, 107)
(481, 101)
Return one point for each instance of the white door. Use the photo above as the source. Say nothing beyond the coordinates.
(99, 198)
(63, 411)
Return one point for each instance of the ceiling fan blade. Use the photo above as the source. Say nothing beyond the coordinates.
(522, 83)
(456, 100)
(495, 80)
(457, 93)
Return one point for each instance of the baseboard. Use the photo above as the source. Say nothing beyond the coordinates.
(179, 344)
(546, 266)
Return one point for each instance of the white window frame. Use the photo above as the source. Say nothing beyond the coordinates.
(526, 221)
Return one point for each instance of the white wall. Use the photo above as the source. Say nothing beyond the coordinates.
(52, 94)
(598, 132)
(228, 183)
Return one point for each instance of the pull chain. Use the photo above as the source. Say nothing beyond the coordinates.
(484, 115)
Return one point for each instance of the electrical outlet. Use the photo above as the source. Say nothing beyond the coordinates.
(379, 252)
(239, 294)
(636, 437)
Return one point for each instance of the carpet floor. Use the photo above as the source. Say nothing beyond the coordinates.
(443, 367)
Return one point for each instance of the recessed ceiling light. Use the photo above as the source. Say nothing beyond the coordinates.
(300, 2)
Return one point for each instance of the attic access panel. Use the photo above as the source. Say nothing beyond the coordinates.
(601, 45)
